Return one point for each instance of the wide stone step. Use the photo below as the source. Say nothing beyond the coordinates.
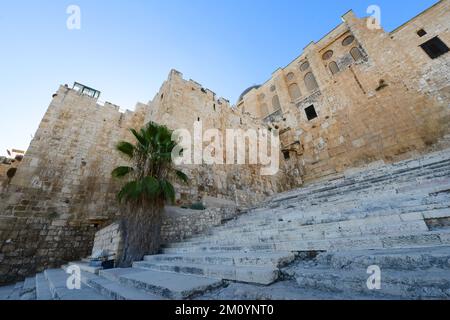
(249, 274)
(365, 184)
(388, 174)
(422, 239)
(422, 187)
(114, 290)
(16, 292)
(287, 223)
(166, 284)
(57, 279)
(84, 266)
(6, 291)
(42, 288)
(398, 259)
(394, 224)
(368, 205)
(303, 218)
(418, 284)
(276, 259)
(29, 289)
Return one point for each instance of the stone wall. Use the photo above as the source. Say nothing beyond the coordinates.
(180, 224)
(63, 191)
(110, 239)
(32, 244)
(179, 104)
(390, 103)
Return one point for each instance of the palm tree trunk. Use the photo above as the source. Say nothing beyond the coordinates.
(141, 229)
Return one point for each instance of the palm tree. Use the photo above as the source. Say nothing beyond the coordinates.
(146, 191)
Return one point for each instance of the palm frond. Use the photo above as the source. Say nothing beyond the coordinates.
(121, 172)
(126, 148)
(168, 190)
(182, 176)
(151, 187)
(139, 137)
(131, 191)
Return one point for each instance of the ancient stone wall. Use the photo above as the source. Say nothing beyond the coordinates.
(179, 104)
(180, 224)
(356, 96)
(108, 239)
(377, 95)
(63, 191)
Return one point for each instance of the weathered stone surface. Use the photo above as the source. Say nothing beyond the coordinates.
(388, 104)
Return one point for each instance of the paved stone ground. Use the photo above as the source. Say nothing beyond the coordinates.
(315, 242)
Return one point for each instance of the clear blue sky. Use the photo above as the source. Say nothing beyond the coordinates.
(126, 49)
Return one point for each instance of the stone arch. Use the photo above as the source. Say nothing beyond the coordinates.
(356, 53)
(290, 76)
(348, 40)
(276, 102)
(327, 55)
(264, 109)
(304, 66)
(334, 68)
(294, 91)
(310, 82)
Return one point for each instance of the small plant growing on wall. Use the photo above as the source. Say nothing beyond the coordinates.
(146, 191)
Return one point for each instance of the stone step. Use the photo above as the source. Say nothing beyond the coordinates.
(29, 289)
(166, 284)
(16, 292)
(84, 266)
(114, 290)
(350, 209)
(6, 291)
(57, 279)
(42, 288)
(250, 274)
(418, 284)
(302, 220)
(356, 192)
(368, 202)
(387, 180)
(394, 224)
(422, 239)
(414, 164)
(276, 259)
(397, 259)
(365, 182)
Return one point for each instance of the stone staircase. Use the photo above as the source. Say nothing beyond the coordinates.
(394, 216)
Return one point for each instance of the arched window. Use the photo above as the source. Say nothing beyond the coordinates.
(348, 41)
(304, 66)
(290, 76)
(327, 55)
(310, 82)
(294, 91)
(356, 54)
(264, 110)
(276, 103)
(334, 68)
